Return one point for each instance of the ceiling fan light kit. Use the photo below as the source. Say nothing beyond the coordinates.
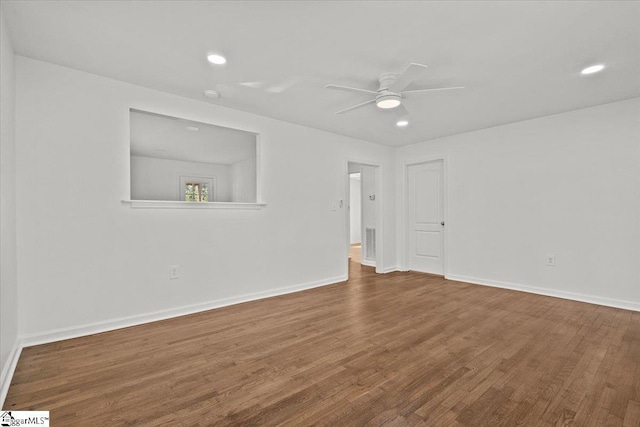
(391, 90)
(388, 100)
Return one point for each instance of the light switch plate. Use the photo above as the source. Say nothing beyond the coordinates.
(174, 272)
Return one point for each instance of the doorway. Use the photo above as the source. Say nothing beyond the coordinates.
(425, 217)
(363, 216)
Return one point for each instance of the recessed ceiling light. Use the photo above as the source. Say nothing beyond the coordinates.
(192, 128)
(217, 59)
(402, 123)
(210, 93)
(593, 69)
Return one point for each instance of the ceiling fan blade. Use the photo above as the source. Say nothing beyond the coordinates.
(405, 78)
(431, 90)
(282, 86)
(350, 89)
(400, 111)
(355, 106)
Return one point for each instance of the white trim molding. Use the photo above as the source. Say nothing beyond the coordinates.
(125, 322)
(8, 370)
(591, 299)
(174, 204)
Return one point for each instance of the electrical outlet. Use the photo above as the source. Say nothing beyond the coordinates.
(551, 260)
(174, 272)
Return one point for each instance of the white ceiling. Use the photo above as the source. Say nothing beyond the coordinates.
(163, 137)
(518, 60)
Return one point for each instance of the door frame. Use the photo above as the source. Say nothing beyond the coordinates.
(404, 264)
(378, 212)
(348, 206)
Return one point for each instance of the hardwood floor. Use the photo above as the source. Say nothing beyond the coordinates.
(395, 349)
(355, 252)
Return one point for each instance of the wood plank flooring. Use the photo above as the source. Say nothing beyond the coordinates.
(395, 349)
(355, 252)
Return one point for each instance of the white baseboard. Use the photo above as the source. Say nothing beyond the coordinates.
(8, 369)
(367, 263)
(592, 299)
(125, 322)
(390, 269)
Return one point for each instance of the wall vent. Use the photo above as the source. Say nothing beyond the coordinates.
(370, 244)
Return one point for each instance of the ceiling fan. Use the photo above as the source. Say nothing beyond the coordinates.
(391, 91)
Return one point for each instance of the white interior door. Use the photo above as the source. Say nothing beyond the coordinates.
(425, 204)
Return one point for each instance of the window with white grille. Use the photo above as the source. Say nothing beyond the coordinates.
(197, 189)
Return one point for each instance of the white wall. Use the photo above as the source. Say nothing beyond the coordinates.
(566, 185)
(72, 139)
(368, 207)
(8, 263)
(243, 181)
(159, 179)
(355, 213)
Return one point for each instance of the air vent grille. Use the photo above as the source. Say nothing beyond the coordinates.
(370, 244)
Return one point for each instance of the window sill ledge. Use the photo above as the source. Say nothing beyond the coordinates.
(168, 204)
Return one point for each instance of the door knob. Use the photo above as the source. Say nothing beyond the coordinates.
(442, 223)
